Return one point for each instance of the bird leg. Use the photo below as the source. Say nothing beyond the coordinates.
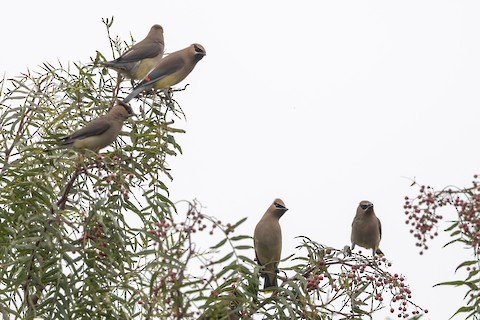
(347, 250)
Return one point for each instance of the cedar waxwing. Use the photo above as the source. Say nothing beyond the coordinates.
(142, 57)
(366, 228)
(100, 132)
(267, 240)
(171, 70)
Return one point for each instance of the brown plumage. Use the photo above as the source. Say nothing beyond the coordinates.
(142, 57)
(99, 132)
(171, 70)
(366, 228)
(268, 242)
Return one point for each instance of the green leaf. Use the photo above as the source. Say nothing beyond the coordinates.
(452, 226)
(452, 241)
(450, 283)
(241, 237)
(225, 258)
(466, 263)
(462, 310)
(218, 245)
(243, 247)
(239, 222)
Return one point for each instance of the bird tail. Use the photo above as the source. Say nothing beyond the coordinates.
(270, 281)
(64, 143)
(125, 67)
(108, 64)
(379, 252)
(135, 92)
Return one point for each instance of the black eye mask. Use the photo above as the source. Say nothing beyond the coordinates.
(279, 206)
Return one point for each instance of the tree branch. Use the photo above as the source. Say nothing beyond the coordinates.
(61, 203)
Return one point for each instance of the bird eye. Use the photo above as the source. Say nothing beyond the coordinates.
(363, 206)
(278, 205)
(198, 49)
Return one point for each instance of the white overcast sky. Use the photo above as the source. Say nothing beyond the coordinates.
(320, 103)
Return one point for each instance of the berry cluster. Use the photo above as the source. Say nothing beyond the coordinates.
(114, 176)
(468, 208)
(422, 216)
(360, 279)
(194, 221)
(97, 238)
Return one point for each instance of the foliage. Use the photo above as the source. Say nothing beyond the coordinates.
(464, 229)
(87, 236)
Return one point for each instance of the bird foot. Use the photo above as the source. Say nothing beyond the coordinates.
(347, 250)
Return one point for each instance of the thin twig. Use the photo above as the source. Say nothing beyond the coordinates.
(61, 203)
(21, 125)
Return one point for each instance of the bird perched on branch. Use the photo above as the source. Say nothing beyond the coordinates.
(268, 242)
(99, 132)
(142, 57)
(171, 70)
(366, 228)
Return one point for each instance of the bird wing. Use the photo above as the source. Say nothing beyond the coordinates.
(94, 128)
(168, 66)
(380, 227)
(258, 260)
(256, 254)
(148, 50)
